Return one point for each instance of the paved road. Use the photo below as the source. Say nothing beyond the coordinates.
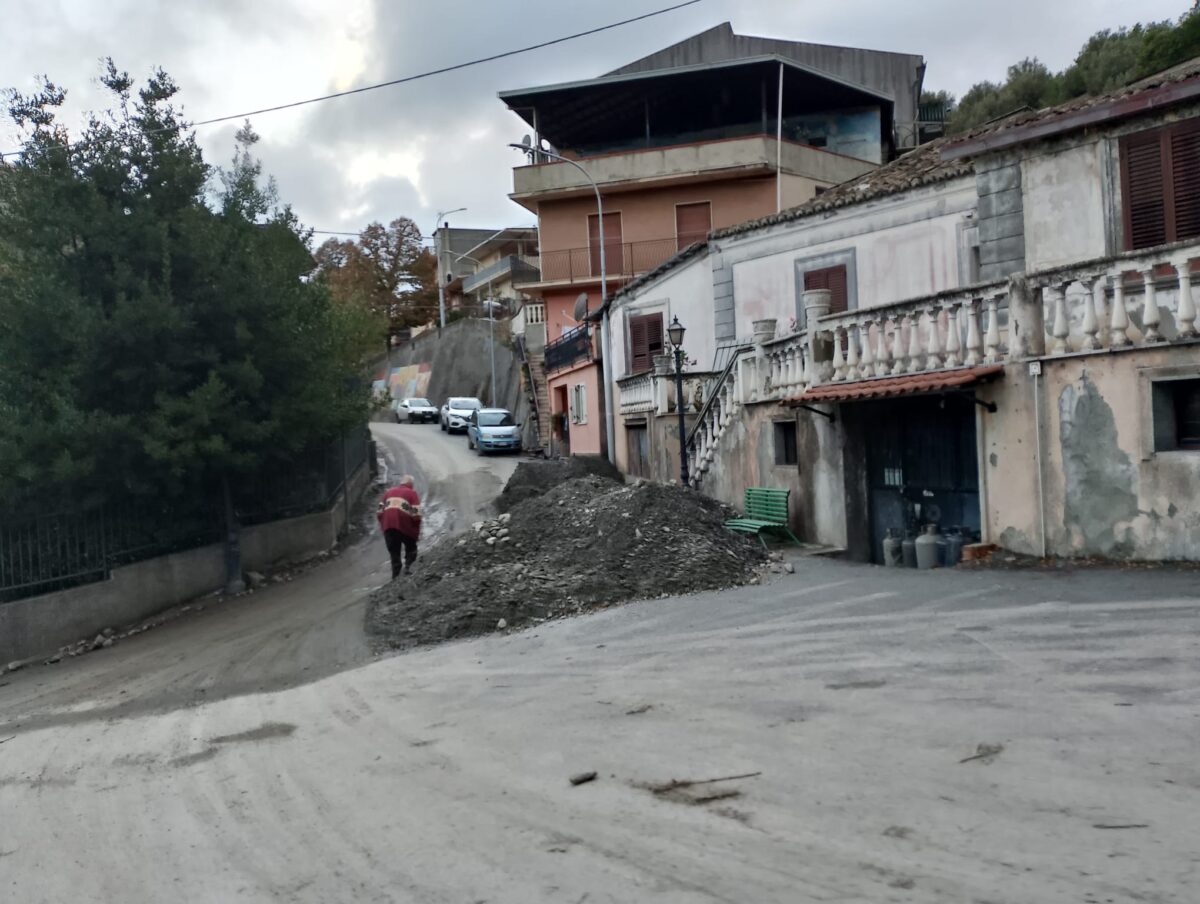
(853, 700)
(281, 636)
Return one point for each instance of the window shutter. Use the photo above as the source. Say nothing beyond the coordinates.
(1145, 201)
(639, 351)
(654, 335)
(1185, 180)
(833, 279)
(692, 223)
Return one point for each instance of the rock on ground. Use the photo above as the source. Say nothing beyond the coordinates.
(534, 478)
(587, 543)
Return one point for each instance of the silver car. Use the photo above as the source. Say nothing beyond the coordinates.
(493, 430)
(456, 411)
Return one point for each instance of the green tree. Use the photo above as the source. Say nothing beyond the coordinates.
(159, 337)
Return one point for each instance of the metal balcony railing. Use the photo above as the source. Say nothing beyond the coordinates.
(622, 260)
(571, 348)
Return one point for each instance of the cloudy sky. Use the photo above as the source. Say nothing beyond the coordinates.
(440, 143)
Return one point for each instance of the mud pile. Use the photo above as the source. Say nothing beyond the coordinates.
(586, 543)
(533, 478)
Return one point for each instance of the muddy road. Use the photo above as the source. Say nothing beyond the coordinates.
(283, 635)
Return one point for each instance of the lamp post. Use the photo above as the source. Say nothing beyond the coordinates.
(610, 431)
(675, 334)
(441, 289)
(491, 325)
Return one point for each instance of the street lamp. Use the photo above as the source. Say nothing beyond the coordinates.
(441, 290)
(675, 334)
(491, 324)
(610, 433)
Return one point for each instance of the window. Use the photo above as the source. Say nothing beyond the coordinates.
(645, 341)
(785, 443)
(579, 404)
(1160, 185)
(692, 223)
(613, 262)
(833, 279)
(1176, 415)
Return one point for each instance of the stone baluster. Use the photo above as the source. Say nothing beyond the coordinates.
(953, 339)
(897, 345)
(852, 346)
(883, 359)
(1095, 317)
(797, 367)
(1061, 330)
(974, 345)
(933, 350)
(991, 338)
(806, 375)
(1185, 317)
(1150, 314)
(1119, 332)
(868, 355)
(839, 362)
(914, 342)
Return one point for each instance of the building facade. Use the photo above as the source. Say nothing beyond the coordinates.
(712, 132)
(994, 334)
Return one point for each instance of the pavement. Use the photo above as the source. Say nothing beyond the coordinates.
(843, 733)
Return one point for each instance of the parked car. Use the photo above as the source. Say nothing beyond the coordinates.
(493, 430)
(416, 411)
(456, 411)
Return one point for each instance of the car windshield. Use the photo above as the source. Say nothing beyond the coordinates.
(495, 419)
(468, 404)
(419, 403)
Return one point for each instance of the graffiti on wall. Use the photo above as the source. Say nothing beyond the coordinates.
(408, 382)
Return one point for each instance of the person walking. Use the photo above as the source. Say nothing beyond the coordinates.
(400, 518)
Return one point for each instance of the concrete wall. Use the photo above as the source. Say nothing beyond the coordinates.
(586, 438)
(686, 293)
(39, 625)
(1063, 213)
(1106, 491)
(895, 249)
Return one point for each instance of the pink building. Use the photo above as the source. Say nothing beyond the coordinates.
(687, 140)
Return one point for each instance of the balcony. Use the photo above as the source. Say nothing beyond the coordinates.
(571, 349)
(750, 155)
(1137, 300)
(578, 265)
(654, 393)
(513, 266)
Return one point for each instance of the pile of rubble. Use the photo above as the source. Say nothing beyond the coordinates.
(586, 543)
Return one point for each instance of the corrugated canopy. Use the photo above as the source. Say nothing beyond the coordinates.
(906, 385)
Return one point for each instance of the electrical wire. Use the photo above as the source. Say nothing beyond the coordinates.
(412, 78)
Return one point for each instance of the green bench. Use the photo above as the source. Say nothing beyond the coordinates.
(766, 511)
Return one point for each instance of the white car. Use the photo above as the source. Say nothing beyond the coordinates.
(456, 412)
(415, 411)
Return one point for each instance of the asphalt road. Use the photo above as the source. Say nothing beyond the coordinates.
(852, 701)
(283, 635)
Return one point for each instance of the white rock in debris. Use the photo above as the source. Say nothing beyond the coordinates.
(477, 526)
(108, 632)
(255, 579)
(98, 642)
(501, 625)
(637, 532)
(108, 642)
(505, 518)
(13, 666)
(506, 539)
(789, 567)
(503, 532)
(491, 541)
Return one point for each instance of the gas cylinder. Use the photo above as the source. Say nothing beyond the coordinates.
(927, 547)
(908, 551)
(893, 555)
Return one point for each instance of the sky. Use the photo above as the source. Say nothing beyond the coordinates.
(440, 143)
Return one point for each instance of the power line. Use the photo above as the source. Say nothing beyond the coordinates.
(422, 75)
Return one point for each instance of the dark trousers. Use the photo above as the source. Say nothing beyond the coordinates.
(397, 545)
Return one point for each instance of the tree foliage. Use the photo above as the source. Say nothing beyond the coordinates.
(385, 271)
(158, 332)
(1107, 61)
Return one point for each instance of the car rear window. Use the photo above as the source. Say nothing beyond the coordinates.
(495, 419)
(465, 403)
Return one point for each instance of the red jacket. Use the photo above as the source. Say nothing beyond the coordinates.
(400, 510)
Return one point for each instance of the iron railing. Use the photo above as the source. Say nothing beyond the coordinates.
(573, 347)
(53, 551)
(621, 260)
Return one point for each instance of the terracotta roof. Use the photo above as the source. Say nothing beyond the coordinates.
(922, 166)
(1159, 90)
(888, 387)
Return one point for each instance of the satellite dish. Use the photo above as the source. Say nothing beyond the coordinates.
(527, 141)
(581, 307)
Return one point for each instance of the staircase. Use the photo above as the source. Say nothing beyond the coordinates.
(533, 370)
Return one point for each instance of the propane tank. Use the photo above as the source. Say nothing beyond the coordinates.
(954, 541)
(927, 547)
(893, 555)
(908, 551)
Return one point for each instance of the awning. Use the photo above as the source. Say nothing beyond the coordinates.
(906, 385)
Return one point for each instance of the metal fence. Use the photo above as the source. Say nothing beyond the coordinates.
(61, 549)
(574, 346)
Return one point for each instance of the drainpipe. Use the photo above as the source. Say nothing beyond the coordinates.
(779, 146)
(1035, 370)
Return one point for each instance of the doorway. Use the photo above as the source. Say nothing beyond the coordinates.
(637, 440)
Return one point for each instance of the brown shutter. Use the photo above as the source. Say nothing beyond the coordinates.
(1142, 184)
(692, 223)
(833, 279)
(639, 351)
(1185, 180)
(654, 335)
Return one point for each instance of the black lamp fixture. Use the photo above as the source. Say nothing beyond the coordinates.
(675, 332)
